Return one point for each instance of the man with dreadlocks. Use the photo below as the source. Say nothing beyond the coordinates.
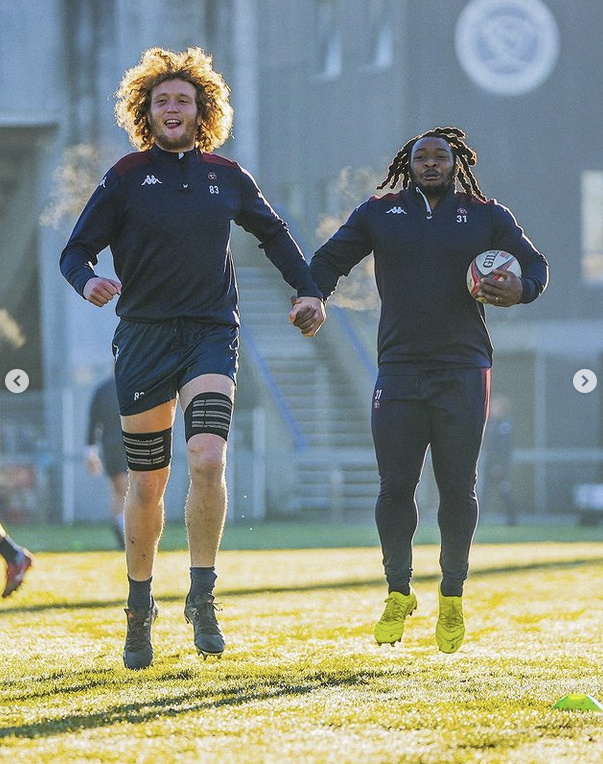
(165, 211)
(434, 352)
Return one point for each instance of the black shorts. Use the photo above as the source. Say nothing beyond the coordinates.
(113, 458)
(153, 361)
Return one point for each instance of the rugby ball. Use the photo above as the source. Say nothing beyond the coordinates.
(486, 262)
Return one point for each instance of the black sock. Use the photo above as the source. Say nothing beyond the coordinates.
(9, 550)
(203, 580)
(139, 597)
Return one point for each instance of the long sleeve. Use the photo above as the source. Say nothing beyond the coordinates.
(91, 234)
(94, 421)
(258, 217)
(345, 249)
(509, 236)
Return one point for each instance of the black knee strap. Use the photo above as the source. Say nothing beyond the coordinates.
(148, 450)
(208, 413)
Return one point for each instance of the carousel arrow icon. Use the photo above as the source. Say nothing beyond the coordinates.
(17, 381)
(585, 381)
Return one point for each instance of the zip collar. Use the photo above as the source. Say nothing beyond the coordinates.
(172, 156)
(428, 209)
(445, 200)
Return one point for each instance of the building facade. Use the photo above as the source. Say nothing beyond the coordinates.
(325, 92)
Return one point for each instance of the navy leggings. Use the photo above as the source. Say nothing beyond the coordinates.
(447, 410)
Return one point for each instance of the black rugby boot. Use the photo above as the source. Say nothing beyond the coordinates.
(200, 610)
(138, 650)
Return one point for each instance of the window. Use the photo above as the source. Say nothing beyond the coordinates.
(379, 34)
(328, 39)
(592, 226)
(292, 195)
(330, 196)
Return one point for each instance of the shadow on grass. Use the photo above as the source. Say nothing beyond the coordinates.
(348, 584)
(180, 702)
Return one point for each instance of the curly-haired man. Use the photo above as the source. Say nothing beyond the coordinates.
(165, 212)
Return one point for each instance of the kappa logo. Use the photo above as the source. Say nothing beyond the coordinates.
(150, 180)
(103, 182)
(397, 211)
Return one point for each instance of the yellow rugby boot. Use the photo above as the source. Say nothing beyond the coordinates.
(390, 627)
(450, 628)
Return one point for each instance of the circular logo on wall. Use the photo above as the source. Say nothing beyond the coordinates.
(507, 47)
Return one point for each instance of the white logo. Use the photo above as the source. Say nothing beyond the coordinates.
(138, 395)
(397, 211)
(150, 180)
(507, 47)
(102, 183)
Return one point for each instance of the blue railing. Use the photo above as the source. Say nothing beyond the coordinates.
(355, 341)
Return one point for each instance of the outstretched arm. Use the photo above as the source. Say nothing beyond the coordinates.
(345, 249)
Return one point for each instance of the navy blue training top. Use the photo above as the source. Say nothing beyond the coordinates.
(428, 318)
(166, 217)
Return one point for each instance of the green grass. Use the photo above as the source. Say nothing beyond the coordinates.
(302, 679)
(288, 535)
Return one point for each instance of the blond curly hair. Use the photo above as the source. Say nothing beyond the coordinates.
(157, 65)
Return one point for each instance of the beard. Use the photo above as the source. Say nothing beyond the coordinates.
(434, 189)
(182, 142)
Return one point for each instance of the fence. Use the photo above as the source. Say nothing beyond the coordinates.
(34, 488)
(27, 488)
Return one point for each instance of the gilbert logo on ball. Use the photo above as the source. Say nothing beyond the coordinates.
(485, 263)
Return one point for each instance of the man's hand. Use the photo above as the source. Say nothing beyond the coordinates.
(99, 291)
(308, 314)
(504, 291)
(93, 462)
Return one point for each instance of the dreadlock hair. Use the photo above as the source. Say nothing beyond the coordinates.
(157, 65)
(464, 157)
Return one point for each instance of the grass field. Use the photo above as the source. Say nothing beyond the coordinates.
(302, 679)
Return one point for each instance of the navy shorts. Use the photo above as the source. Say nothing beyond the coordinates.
(153, 361)
(113, 458)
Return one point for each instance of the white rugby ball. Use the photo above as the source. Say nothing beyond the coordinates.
(486, 262)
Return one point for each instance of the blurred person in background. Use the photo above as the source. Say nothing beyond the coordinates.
(18, 561)
(434, 352)
(165, 211)
(497, 460)
(105, 450)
